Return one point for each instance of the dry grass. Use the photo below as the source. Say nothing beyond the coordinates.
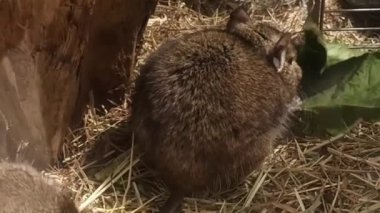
(340, 174)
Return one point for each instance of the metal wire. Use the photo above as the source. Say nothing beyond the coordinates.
(353, 10)
(353, 29)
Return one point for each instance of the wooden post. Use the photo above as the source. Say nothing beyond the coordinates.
(52, 53)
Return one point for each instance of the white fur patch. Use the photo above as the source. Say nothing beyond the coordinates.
(295, 104)
(279, 63)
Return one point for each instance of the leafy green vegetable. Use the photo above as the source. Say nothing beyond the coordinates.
(338, 52)
(341, 85)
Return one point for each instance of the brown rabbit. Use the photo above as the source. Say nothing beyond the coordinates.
(208, 105)
(24, 190)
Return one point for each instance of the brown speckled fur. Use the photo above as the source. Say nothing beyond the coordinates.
(24, 190)
(207, 107)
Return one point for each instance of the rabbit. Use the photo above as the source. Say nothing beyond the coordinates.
(24, 190)
(208, 105)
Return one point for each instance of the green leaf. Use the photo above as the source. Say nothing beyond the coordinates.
(341, 85)
(346, 91)
(339, 52)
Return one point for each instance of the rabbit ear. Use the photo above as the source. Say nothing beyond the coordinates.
(240, 15)
(279, 51)
(237, 16)
(279, 61)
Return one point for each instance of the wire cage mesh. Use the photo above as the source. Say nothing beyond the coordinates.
(367, 10)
